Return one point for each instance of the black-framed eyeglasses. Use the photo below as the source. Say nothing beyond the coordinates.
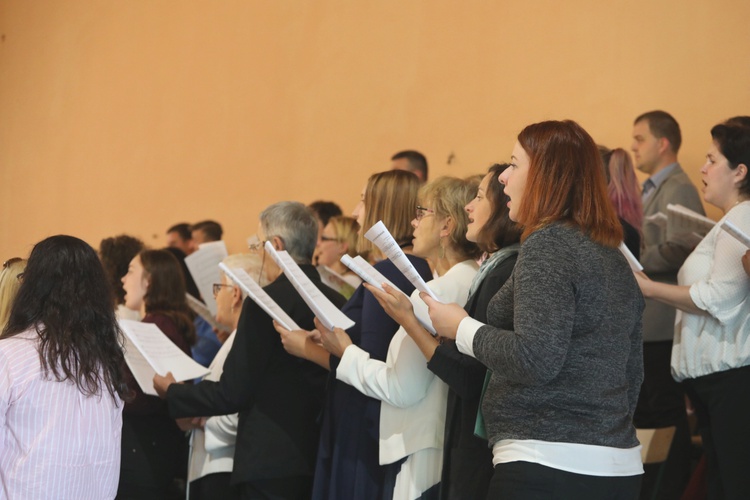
(11, 261)
(423, 212)
(328, 238)
(218, 286)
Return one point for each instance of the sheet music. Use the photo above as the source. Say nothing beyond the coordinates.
(160, 353)
(634, 264)
(681, 220)
(732, 229)
(372, 276)
(659, 218)
(139, 367)
(383, 239)
(259, 296)
(334, 280)
(324, 310)
(201, 310)
(203, 267)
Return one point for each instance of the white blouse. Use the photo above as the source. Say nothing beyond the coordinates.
(720, 339)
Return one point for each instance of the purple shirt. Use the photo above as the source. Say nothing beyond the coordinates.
(55, 442)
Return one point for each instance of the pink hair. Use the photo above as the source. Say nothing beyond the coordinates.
(624, 189)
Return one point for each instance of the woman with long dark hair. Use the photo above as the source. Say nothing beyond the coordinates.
(61, 379)
(563, 335)
(154, 450)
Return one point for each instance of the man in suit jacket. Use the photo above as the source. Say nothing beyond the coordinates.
(278, 396)
(656, 141)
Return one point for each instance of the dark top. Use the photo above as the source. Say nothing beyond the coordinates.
(631, 237)
(467, 459)
(278, 396)
(347, 465)
(564, 344)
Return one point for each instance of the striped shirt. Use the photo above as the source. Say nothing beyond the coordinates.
(54, 441)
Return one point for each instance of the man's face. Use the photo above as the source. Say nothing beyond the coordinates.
(174, 240)
(198, 237)
(646, 147)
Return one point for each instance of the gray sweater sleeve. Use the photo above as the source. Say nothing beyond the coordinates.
(534, 351)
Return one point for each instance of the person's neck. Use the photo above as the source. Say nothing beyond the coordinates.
(734, 200)
(664, 163)
(449, 259)
(339, 268)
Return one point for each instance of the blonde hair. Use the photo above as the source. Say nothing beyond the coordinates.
(346, 229)
(391, 197)
(251, 263)
(9, 286)
(448, 197)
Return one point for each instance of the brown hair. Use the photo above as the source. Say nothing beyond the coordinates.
(499, 231)
(566, 182)
(448, 197)
(391, 197)
(166, 290)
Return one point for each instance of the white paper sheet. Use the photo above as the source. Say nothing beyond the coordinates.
(324, 310)
(259, 296)
(681, 220)
(659, 219)
(634, 264)
(148, 342)
(334, 280)
(368, 273)
(732, 229)
(383, 239)
(203, 266)
(201, 310)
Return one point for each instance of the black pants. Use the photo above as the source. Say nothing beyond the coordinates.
(661, 403)
(722, 405)
(212, 486)
(530, 481)
(285, 488)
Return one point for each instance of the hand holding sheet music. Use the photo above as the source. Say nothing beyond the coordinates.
(149, 351)
(383, 239)
(259, 296)
(324, 310)
(373, 277)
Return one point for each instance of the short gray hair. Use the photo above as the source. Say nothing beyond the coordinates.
(295, 224)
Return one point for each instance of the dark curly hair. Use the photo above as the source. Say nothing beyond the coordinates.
(116, 254)
(66, 298)
(166, 290)
(499, 231)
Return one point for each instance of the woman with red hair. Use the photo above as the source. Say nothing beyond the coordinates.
(563, 339)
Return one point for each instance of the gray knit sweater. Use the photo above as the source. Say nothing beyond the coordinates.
(564, 344)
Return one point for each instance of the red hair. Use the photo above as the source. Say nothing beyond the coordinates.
(566, 182)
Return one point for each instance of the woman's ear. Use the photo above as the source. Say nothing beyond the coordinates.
(740, 172)
(448, 226)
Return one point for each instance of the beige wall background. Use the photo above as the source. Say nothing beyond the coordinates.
(126, 117)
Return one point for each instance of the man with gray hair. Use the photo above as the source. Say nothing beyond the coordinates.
(278, 396)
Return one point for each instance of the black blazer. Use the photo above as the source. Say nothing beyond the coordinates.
(467, 459)
(278, 397)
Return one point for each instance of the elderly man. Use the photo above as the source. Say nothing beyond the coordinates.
(278, 396)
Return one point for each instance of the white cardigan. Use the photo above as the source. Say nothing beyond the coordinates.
(212, 449)
(412, 413)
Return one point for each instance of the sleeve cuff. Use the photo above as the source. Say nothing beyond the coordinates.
(347, 368)
(465, 336)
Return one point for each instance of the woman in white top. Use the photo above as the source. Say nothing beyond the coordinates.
(711, 352)
(61, 379)
(412, 414)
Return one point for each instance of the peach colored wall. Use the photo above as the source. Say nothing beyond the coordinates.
(130, 116)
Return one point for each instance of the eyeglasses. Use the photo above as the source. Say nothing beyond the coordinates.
(423, 212)
(328, 238)
(255, 243)
(218, 286)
